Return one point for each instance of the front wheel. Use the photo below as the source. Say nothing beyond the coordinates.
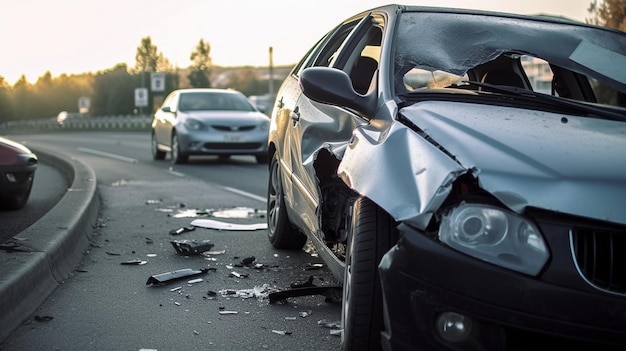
(156, 153)
(372, 233)
(177, 156)
(281, 233)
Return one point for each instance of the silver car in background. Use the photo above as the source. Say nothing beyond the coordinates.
(220, 122)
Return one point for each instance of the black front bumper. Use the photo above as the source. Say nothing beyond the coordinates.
(422, 278)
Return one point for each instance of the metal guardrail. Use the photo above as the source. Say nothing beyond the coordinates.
(118, 123)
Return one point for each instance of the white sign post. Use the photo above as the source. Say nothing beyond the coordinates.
(141, 97)
(157, 81)
(84, 103)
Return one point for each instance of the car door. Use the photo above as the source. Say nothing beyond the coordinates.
(316, 127)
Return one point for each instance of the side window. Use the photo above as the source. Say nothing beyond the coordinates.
(323, 53)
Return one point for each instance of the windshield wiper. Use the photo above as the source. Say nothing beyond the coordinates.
(553, 100)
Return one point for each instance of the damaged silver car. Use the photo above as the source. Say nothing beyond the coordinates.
(464, 174)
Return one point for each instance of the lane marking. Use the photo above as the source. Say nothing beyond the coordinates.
(106, 154)
(246, 194)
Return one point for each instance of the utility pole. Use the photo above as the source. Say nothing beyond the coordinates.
(271, 73)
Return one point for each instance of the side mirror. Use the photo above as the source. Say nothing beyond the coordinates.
(334, 87)
(166, 109)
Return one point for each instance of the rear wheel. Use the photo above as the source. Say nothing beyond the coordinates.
(281, 233)
(261, 159)
(156, 153)
(177, 156)
(373, 232)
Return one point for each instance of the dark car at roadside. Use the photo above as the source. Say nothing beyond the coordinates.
(17, 173)
(464, 174)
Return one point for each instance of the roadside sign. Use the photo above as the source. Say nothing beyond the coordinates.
(158, 81)
(141, 97)
(84, 103)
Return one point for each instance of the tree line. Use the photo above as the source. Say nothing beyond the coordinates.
(112, 91)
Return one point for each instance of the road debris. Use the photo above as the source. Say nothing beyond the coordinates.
(219, 225)
(135, 262)
(159, 279)
(191, 247)
(332, 294)
(281, 332)
(182, 230)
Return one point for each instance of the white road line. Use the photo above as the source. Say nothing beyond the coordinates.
(106, 154)
(241, 192)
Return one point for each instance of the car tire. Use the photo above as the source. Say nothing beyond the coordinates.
(280, 232)
(371, 234)
(177, 156)
(19, 200)
(156, 153)
(262, 159)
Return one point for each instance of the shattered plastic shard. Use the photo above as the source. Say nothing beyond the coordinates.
(191, 247)
(182, 230)
(134, 262)
(174, 275)
(229, 312)
(281, 332)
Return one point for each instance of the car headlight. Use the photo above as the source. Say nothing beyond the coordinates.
(495, 235)
(193, 124)
(265, 125)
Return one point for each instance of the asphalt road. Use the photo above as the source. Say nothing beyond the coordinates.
(108, 305)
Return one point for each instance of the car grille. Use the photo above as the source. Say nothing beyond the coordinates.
(233, 128)
(601, 256)
(232, 146)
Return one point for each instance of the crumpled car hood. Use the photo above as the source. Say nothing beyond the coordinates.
(525, 158)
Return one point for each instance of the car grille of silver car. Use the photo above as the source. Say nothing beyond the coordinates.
(233, 128)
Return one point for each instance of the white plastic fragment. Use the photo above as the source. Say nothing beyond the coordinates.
(281, 332)
(193, 281)
(229, 312)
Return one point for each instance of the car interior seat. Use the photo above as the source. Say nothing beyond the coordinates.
(362, 74)
(503, 77)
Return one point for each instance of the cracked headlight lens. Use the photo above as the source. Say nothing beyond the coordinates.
(495, 235)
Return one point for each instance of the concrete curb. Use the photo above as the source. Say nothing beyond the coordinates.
(52, 247)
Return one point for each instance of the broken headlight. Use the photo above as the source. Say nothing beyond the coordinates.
(495, 235)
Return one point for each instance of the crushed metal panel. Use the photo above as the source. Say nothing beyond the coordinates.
(531, 158)
(400, 171)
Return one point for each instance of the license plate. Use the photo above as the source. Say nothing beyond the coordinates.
(233, 138)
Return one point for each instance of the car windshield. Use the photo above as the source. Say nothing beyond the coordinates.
(214, 101)
(443, 50)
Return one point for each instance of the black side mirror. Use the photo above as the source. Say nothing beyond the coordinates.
(334, 87)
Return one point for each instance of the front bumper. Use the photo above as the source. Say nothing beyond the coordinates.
(15, 180)
(223, 143)
(422, 278)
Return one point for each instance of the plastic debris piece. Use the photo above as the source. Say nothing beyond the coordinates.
(306, 284)
(290, 318)
(228, 312)
(193, 281)
(336, 332)
(162, 278)
(260, 292)
(152, 202)
(332, 293)
(176, 288)
(182, 230)
(149, 241)
(191, 247)
(39, 318)
(112, 253)
(213, 224)
(248, 260)
(314, 266)
(305, 314)
(216, 252)
(281, 332)
(238, 275)
(135, 262)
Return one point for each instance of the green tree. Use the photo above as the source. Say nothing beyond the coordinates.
(6, 105)
(608, 13)
(147, 56)
(201, 65)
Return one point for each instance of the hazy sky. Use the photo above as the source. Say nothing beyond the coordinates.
(77, 36)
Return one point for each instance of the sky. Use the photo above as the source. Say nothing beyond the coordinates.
(80, 36)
